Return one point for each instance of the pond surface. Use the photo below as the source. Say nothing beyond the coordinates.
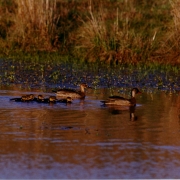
(86, 140)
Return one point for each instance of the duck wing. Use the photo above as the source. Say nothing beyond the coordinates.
(117, 100)
(66, 92)
(70, 93)
(109, 101)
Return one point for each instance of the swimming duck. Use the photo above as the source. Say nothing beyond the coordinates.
(67, 100)
(72, 93)
(30, 97)
(121, 101)
(52, 99)
(24, 98)
(40, 98)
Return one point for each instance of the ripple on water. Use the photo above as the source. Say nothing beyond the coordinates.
(85, 140)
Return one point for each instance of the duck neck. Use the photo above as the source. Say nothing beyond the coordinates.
(82, 89)
(133, 94)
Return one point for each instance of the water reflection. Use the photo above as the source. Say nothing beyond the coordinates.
(132, 113)
(85, 140)
(115, 109)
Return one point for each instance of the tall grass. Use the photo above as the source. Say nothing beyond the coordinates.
(105, 31)
(122, 34)
(33, 24)
(170, 47)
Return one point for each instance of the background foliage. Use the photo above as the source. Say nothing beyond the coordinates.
(118, 31)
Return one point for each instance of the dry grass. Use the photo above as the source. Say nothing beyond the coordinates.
(106, 31)
(34, 25)
(92, 38)
(110, 37)
(170, 47)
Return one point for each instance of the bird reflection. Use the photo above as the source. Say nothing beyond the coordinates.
(132, 113)
(115, 109)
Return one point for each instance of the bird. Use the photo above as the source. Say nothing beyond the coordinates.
(71, 92)
(30, 97)
(121, 101)
(24, 98)
(52, 99)
(40, 98)
(66, 100)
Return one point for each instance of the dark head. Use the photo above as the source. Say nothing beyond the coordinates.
(135, 91)
(84, 85)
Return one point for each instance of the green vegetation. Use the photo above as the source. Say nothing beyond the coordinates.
(112, 31)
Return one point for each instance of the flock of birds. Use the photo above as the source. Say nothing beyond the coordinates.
(67, 95)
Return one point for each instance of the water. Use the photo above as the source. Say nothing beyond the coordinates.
(86, 140)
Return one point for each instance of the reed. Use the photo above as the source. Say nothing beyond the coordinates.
(169, 50)
(34, 25)
(114, 32)
(119, 35)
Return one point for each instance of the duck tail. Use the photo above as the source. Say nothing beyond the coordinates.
(13, 99)
(16, 99)
(103, 102)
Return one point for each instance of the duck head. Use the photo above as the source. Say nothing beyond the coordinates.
(83, 86)
(135, 91)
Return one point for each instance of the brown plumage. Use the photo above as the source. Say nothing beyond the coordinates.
(52, 99)
(67, 100)
(121, 101)
(72, 93)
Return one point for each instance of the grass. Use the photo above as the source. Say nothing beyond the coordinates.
(47, 71)
(111, 32)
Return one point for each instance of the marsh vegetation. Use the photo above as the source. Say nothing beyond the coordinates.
(112, 45)
(118, 31)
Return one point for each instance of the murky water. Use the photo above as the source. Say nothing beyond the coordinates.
(86, 140)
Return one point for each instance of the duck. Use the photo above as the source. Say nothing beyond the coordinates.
(121, 101)
(40, 98)
(24, 98)
(30, 97)
(52, 99)
(71, 92)
(67, 100)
